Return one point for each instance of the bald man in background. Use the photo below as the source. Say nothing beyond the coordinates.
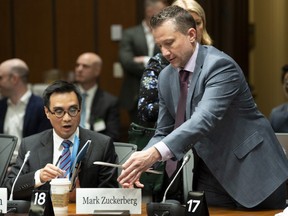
(21, 112)
(101, 108)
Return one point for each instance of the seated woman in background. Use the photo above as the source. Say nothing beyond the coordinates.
(148, 95)
(279, 115)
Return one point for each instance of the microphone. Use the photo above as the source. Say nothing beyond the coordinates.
(18, 206)
(169, 207)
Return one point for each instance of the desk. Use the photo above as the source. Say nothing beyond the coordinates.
(212, 211)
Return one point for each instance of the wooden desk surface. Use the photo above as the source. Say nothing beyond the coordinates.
(212, 212)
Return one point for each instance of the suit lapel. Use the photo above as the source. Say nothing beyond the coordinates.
(28, 113)
(83, 137)
(198, 68)
(3, 110)
(95, 107)
(176, 91)
(45, 152)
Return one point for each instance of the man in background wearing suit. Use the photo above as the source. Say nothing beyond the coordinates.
(279, 114)
(136, 48)
(101, 108)
(21, 112)
(241, 163)
(62, 102)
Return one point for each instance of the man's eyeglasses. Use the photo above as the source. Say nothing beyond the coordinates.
(59, 113)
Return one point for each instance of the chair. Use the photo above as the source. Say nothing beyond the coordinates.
(124, 151)
(7, 147)
(188, 175)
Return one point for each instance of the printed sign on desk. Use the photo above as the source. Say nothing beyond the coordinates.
(3, 200)
(89, 200)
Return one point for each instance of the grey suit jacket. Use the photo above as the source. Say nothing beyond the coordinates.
(41, 153)
(133, 44)
(224, 126)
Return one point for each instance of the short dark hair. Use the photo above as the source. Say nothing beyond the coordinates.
(183, 19)
(60, 86)
(284, 71)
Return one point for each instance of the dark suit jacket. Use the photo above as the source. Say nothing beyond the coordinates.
(106, 107)
(35, 119)
(279, 118)
(133, 44)
(41, 152)
(224, 126)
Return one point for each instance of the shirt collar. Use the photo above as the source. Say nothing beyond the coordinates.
(190, 66)
(24, 99)
(146, 27)
(57, 140)
(90, 91)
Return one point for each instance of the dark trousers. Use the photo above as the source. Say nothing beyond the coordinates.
(216, 195)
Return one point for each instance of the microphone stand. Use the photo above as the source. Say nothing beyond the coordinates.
(18, 206)
(169, 207)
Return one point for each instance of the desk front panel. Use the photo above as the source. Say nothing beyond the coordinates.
(212, 211)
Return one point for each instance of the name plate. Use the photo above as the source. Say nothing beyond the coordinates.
(89, 200)
(3, 200)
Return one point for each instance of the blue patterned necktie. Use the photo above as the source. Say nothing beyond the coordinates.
(65, 160)
(171, 165)
(83, 110)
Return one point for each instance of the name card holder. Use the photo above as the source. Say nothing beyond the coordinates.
(196, 204)
(3, 201)
(38, 202)
(111, 213)
(108, 201)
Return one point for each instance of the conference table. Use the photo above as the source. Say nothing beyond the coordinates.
(212, 211)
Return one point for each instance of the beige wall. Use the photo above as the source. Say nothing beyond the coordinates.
(270, 51)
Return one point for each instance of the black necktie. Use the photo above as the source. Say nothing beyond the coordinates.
(180, 114)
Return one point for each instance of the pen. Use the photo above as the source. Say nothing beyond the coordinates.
(120, 166)
(58, 160)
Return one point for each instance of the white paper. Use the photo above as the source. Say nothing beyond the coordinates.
(3, 200)
(101, 199)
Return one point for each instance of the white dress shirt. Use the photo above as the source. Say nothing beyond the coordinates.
(14, 120)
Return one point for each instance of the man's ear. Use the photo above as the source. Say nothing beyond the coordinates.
(192, 34)
(47, 112)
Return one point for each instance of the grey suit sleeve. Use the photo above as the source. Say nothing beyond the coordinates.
(214, 92)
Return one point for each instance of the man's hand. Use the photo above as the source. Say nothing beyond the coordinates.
(50, 172)
(135, 165)
(139, 59)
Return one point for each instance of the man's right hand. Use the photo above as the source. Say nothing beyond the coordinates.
(50, 172)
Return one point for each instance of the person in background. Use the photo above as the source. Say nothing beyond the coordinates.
(21, 112)
(62, 101)
(241, 163)
(279, 115)
(136, 48)
(148, 104)
(102, 112)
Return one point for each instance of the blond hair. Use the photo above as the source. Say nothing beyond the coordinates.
(193, 6)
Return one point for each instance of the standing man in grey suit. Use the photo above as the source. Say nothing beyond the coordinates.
(62, 102)
(241, 163)
(136, 48)
(101, 108)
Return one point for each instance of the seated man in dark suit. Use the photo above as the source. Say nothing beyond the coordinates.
(21, 112)
(62, 102)
(102, 112)
(279, 115)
